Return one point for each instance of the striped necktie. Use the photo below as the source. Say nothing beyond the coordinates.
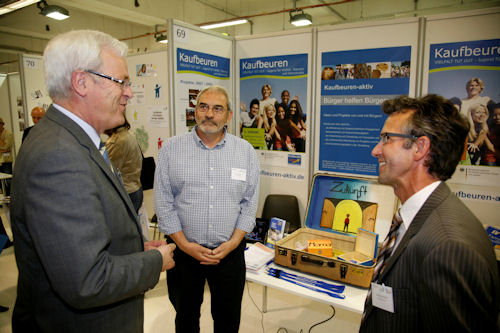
(104, 153)
(385, 253)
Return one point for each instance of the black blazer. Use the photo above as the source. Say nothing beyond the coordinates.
(443, 274)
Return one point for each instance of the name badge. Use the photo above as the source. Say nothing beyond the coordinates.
(382, 297)
(239, 174)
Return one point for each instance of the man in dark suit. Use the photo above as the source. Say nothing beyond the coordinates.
(36, 114)
(442, 275)
(81, 257)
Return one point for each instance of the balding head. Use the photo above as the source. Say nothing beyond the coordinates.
(37, 113)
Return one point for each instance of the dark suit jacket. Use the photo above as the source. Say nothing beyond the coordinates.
(77, 240)
(26, 132)
(443, 274)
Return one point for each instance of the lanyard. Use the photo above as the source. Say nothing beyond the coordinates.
(302, 281)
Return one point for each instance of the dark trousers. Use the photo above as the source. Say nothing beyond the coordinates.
(186, 283)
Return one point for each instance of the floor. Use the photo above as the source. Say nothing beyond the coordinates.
(286, 312)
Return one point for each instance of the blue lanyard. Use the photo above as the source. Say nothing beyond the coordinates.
(302, 281)
(325, 285)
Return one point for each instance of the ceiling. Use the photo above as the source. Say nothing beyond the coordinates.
(135, 21)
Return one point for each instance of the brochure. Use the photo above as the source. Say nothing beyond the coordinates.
(257, 255)
(276, 231)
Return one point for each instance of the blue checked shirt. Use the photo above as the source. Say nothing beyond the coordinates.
(204, 192)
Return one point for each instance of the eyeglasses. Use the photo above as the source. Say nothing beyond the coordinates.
(384, 137)
(202, 107)
(124, 83)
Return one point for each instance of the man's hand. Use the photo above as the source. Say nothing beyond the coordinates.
(166, 250)
(223, 250)
(200, 253)
(153, 244)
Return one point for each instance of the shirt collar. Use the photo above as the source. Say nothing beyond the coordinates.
(91, 132)
(411, 207)
(198, 139)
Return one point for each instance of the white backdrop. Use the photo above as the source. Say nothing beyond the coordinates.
(148, 112)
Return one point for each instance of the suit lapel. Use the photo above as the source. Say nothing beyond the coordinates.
(435, 199)
(94, 154)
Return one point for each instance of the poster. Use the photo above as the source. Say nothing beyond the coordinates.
(467, 73)
(273, 107)
(146, 70)
(353, 85)
(196, 71)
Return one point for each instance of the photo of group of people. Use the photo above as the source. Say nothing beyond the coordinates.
(471, 82)
(483, 114)
(283, 122)
(190, 118)
(372, 70)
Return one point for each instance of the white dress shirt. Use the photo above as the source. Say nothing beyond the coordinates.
(411, 207)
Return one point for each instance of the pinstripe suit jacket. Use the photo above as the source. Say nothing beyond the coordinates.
(77, 241)
(443, 274)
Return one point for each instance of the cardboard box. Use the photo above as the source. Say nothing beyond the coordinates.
(365, 249)
(337, 204)
(320, 246)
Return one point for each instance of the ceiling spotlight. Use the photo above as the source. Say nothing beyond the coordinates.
(159, 36)
(52, 11)
(299, 19)
(161, 39)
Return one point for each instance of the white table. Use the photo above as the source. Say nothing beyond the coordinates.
(5, 201)
(354, 296)
(3, 178)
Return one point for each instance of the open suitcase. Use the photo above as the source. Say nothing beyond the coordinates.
(333, 203)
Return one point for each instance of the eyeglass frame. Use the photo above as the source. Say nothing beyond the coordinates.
(123, 83)
(384, 137)
(204, 107)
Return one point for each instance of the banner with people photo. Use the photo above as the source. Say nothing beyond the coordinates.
(353, 85)
(200, 58)
(467, 73)
(195, 71)
(273, 103)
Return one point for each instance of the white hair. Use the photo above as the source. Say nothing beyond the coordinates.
(75, 50)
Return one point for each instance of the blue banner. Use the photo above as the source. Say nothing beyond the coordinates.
(467, 73)
(476, 54)
(189, 61)
(353, 85)
(275, 82)
(294, 65)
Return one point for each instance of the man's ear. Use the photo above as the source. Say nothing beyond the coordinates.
(80, 83)
(422, 147)
(229, 116)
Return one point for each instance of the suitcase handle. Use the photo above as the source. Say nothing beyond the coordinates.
(311, 260)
